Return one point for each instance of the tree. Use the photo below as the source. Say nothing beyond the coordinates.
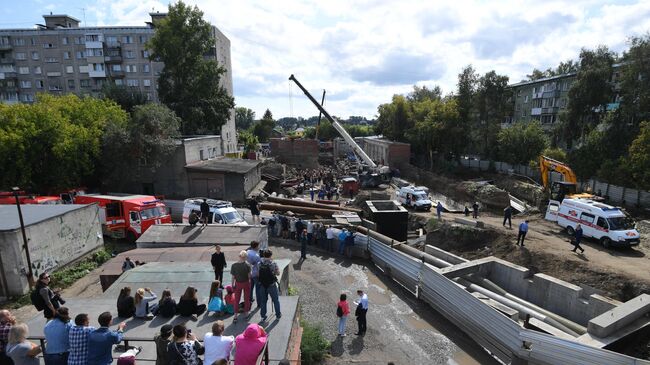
(635, 82)
(145, 141)
(189, 83)
(492, 103)
(589, 94)
(393, 119)
(467, 85)
(244, 118)
(127, 98)
(264, 127)
(54, 143)
(522, 143)
(423, 93)
(555, 153)
(566, 67)
(249, 141)
(639, 158)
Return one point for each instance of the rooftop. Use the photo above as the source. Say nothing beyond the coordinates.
(224, 164)
(179, 235)
(530, 82)
(32, 214)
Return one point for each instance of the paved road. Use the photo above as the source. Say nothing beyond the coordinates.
(400, 328)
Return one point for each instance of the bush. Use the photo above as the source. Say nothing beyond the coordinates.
(313, 347)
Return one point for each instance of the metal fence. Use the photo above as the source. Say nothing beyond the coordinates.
(614, 194)
(500, 335)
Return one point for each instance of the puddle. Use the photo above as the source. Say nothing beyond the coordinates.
(419, 324)
(462, 358)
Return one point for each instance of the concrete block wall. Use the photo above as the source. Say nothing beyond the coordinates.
(300, 152)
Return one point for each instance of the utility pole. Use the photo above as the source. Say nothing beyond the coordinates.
(30, 273)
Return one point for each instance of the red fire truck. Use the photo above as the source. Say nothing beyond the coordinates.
(127, 216)
(23, 198)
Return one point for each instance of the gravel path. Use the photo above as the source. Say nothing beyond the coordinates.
(400, 328)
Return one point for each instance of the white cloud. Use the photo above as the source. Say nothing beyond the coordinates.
(365, 51)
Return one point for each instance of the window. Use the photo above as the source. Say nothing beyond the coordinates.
(119, 82)
(92, 37)
(127, 39)
(71, 84)
(64, 40)
(79, 55)
(146, 83)
(588, 218)
(48, 45)
(66, 55)
(21, 56)
(602, 223)
(39, 84)
(27, 97)
(145, 53)
(32, 41)
(145, 68)
(19, 41)
(111, 39)
(131, 68)
(519, 92)
(84, 83)
(94, 52)
(534, 90)
(37, 70)
(132, 83)
(23, 70)
(143, 39)
(113, 210)
(546, 119)
(526, 99)
(98, 67)
(24, 84)
(130, 54)
(148, 96)
(51, 59)
(35, 55)
(79, 40)
(69, 69)
(116, 67)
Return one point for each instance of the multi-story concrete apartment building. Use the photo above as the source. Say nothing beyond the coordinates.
(544, 99)
(60, 57)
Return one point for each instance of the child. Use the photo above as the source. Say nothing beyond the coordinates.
(342, 311)
(216, 298)
(229, 301)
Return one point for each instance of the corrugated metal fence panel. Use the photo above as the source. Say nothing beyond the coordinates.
(631, 197)
(615, 194)
(484, 165)
(645, 199)
(402, 267)
(548, 349)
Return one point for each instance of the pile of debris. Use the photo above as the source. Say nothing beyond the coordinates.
(488, 195)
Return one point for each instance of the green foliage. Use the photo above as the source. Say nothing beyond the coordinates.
(262, 129)
(126, 97)
(248, 140)
(635, 82)
(244, 118)
(492, 106)
(292, 290)
(555, 153)
(54, 143)
(639, 157)
(313, 346)
(393, 120)
(189, 83)
(69, 275)
(522, 143)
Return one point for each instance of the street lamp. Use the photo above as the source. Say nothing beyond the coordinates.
(30, 273)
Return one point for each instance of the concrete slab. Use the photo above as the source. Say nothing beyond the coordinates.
(602, 342)
(507, 311)
(469, 222)
(542, 326)
(619, 317)
(174, 235)
(466, 268)
(140, 332)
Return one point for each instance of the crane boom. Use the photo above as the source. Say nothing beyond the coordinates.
(339, 128)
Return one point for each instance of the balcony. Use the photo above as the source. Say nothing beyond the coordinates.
(99, 73)
(537, 95)
(550, 110)
(113, 59)
(94, 44)
(536, 111)
(53, 74)
(5, 46)
(95, 59)
(117, 74)
(7, 60)
(8, 75)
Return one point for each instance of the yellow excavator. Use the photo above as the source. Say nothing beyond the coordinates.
(560, 189)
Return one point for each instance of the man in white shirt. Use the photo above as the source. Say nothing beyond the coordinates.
(329, 233)
(310, 232)
(217, 347)
(361, 311)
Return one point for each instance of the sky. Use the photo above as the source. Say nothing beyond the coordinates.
(362, 52)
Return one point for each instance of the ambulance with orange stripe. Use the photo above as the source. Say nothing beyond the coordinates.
(608, 224)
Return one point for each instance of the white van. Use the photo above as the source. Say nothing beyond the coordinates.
(610, 225)
(221, 212)
(414, 197)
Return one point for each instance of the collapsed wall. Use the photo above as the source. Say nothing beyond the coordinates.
(302, 153)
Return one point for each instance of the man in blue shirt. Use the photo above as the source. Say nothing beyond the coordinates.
(101, 340)
(56, 335)
(523, 229)
(342, 236)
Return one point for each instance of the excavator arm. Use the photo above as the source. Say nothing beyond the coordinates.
(547, 165)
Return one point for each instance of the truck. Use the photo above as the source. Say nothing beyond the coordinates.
(610, 225)
(127, 216)
(413, 197)
(221, 212)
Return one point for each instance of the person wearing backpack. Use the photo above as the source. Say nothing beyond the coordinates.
(44, 299)
(342, 311)
(268, 272)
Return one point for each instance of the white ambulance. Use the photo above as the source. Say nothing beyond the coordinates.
(608, 224)
(414, 197)
(221, 212)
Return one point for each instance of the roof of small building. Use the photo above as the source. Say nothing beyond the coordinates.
(224, 164)
(32, 214)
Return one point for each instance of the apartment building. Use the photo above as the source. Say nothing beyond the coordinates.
(60, 57)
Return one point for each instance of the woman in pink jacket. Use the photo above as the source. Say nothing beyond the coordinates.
(249, 344)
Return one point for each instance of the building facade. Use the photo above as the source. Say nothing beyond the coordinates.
(60, 57)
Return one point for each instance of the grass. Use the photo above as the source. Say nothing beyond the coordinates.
(292, 290)
(313, 347)
(67, 276)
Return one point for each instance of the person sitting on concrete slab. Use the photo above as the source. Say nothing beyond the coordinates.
(188, 305)
(215, 304)
(142, 306)
(229, 300)
(250, 344)
(166, 305)
(125, 303)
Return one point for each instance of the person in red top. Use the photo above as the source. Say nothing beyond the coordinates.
(249, 344)
(342, 311)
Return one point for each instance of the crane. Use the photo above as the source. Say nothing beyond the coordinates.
(339, 128)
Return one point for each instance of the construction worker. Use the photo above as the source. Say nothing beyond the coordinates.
(523, 229)
(475, 210)
(577, 238)
(439, 209)
(507, 216)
